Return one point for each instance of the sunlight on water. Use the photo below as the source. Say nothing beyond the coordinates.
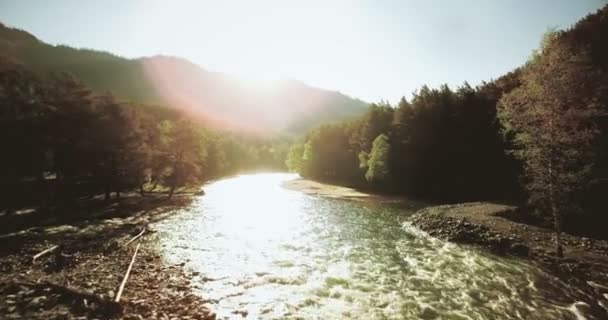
(263, 251)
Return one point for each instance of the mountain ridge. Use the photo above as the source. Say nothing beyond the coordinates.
(218, 99)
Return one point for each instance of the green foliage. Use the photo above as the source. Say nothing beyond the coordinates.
(553, 120)
(449, 145)
(377, 165)
(549, 38)
(61, 141)
(295, 158)
(442, 145)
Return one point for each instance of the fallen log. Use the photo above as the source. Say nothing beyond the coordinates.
(136, 237)
(126, 277)
(51, 249)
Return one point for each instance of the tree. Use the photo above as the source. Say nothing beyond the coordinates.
(377, 171)
(23, 114)
(185, 154)
(294, 158)
(552, 120)
(120, 145)
(71, 138)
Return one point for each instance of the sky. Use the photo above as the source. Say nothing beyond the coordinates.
(370, 49)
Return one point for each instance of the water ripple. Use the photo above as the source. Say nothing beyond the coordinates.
(279, 254)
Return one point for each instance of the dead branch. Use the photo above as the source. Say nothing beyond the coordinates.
(126, 277)
(51, 249)
(136, 237)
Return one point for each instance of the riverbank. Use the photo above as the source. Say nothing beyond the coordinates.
(326, 190)
(80, 278)
(492, 226)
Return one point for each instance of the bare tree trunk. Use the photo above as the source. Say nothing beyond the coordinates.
(558, 230)
(175, 174)
(142, 192)
(555, 214)
(171, 191)
(106, 191)
(117, 194)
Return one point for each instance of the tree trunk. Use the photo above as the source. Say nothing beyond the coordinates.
(171, 191)
(117, 194)
(558, 230)
(175, 174)
(142, 192)
(555, 214)
(106, 191)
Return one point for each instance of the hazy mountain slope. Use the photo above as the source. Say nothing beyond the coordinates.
(219, 99)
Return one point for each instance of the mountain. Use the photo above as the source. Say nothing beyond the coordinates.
(219, 100)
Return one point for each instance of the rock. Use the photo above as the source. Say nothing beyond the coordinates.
(37, 302)
(210, 316)
(428, 313)
(241, 312)
(582, 307)
(519, 249)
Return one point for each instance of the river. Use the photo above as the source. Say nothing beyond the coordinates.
(261, 251)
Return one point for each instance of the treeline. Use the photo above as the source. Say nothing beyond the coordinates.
(538, 133)
(60, 141)
(443, 145)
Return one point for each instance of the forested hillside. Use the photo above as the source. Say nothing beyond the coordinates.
(212, 97)
(538, 133)
(62, 141)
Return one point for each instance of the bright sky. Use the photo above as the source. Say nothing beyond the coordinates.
(370, 49)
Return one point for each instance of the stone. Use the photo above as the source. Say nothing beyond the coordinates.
(37, 302)
(520, 249)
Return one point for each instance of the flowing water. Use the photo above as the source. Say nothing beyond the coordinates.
(261, 251)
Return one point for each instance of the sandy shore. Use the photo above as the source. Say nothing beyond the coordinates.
(316, 188)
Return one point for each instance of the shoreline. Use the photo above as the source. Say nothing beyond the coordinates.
(328, 190)
(494, 227)
(490, 226)
(81, 278)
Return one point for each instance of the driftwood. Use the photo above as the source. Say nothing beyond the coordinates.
(51, 249)
(136, 237)
(126, 277)
(70, 294)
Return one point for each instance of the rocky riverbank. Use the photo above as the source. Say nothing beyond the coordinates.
(492, 226)
(81, 277)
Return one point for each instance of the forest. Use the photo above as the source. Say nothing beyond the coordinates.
(62, 142)
(220, 101)
(537, 135)
(143, 186)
